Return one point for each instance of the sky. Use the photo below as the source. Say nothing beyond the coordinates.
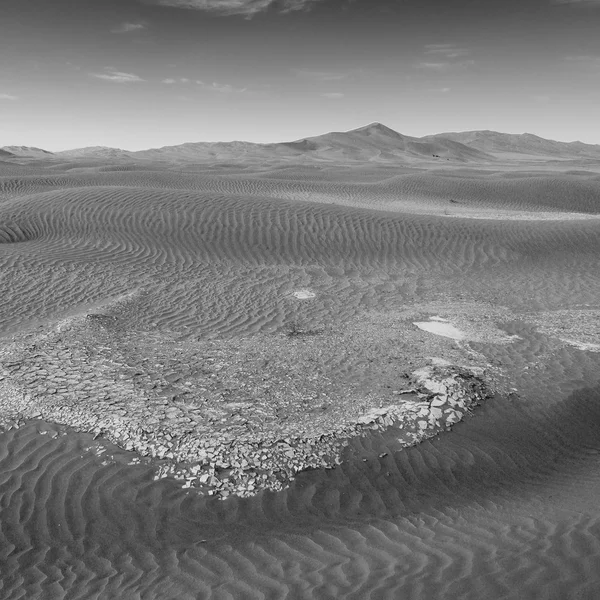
(137, 74)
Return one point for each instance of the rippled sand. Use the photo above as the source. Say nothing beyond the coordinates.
(504, 506)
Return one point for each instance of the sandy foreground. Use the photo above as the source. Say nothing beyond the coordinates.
(272, 379)
(236, 327)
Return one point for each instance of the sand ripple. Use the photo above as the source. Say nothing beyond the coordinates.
(505, 506)
(244, 256)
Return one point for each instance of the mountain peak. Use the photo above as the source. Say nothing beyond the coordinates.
(376, 128)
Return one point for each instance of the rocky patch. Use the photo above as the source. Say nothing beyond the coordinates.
(225, 417)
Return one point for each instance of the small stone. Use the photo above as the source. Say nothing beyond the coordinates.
(452, 417)
(436, 413)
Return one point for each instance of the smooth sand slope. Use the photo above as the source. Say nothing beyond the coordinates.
(503, 506)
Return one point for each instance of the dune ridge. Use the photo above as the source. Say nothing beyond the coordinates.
(418, 192)
(168, 243)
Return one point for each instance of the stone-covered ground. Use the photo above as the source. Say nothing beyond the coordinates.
(234, 416)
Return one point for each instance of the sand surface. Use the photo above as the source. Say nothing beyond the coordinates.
(322, 272)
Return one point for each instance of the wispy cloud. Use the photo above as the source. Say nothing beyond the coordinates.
(333, 95)
(448, 51)
(236, 7)
(433, 65)
(439, 57)
(439, 90)
(118, 76)
(128, 27)
(8, 97)
(440, 66)
(222, 88)
(320, 75)
(170, 81)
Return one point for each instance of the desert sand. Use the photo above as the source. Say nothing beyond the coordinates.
(295, 294)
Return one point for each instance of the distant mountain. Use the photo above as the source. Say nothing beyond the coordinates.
(6, 154)
(27, 152)
(374, 142)
(506, 144)
(94, 152)
(378, 141)
(214, 151)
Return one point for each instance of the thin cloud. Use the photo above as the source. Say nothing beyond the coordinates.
(432, 65)
(8, 97)
(439, 57)
(221, 88)
(441, 66)
(247, 8)
(448, 51)
(128, 27)
(333, 95)
(320, 75)
(118, 76)
(170, 81)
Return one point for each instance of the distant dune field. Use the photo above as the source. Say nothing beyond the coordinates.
(504, 506)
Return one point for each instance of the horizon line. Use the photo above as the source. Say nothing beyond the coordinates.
(354, 129)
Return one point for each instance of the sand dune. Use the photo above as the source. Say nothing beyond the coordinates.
(168, 241)
(503, 506)
(415, 191)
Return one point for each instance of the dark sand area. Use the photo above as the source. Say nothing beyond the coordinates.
(200, 294)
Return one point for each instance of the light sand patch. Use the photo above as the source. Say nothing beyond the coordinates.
(477, 322)
(439, 328)
(582, 345)
(579, 328)
(303, 294)
(518, 215)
